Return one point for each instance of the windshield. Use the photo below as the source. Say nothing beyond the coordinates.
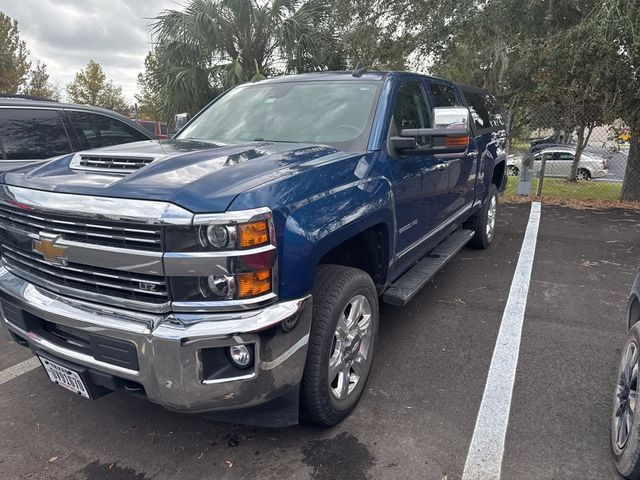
(337, 113)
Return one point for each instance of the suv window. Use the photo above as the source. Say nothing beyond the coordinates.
(103, 131)
(484, 110)
(410, 109)
(444, 95)
(32, 134)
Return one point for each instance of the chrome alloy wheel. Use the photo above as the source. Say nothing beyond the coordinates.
(350, 348)
(582, 174)
(626, 395)
(491, 217)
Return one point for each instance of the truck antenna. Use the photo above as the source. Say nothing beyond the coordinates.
(359, 71)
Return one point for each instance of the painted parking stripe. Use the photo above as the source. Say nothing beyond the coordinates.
(19, 369)
(484, 460)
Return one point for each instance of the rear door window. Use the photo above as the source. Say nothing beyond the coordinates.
(443, 95)
(32, 134)
(102, 131)
(484, 110)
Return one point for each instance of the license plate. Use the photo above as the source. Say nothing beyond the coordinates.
(64, 377)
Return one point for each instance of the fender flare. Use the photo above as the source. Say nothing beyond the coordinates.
(317, 225)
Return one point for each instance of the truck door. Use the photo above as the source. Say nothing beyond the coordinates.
(463, 170)
(420, 180)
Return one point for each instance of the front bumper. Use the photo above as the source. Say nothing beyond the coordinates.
(599, 173)
(169, 346)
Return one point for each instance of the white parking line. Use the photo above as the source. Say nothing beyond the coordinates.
(19, 369)
(484, 460)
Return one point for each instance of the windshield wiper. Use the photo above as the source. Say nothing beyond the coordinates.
(260, 139)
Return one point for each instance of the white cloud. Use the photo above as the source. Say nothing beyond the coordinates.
(66, 34)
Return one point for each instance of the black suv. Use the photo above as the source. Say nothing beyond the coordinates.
(33, 129)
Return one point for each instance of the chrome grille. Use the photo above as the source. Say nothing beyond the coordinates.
(76, 280)
(140, 237)
(99, 162)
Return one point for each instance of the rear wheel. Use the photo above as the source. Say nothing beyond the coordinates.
(625, 418)
(512, 171)
(483, 223)
(341, 343)
(583, 174)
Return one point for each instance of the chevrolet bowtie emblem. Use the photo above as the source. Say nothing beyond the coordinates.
(46, 246)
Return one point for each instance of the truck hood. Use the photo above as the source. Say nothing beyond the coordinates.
(199, 176)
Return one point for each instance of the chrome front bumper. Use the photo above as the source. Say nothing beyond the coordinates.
(169, 346)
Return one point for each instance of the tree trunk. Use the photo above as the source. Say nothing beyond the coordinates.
(631, 184)
(583, 140)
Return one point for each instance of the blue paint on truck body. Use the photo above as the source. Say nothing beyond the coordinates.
(320, 196)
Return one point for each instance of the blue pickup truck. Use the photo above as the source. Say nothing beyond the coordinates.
(236, 270)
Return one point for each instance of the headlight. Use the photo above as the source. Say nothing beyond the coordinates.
(222, 258)
(241, 286)
(232, 236)
(216, 236)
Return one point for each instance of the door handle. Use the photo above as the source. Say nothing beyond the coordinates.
(442, 166)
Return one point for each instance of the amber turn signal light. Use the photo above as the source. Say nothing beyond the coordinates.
(253, 284)
(456, 140)
(253, 234)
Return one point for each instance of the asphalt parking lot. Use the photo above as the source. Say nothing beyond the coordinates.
(417, 418)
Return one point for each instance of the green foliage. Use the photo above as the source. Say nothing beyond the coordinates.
(38, 83)
(91, 87)
(150, 93)
(372, 34)
(13, 56)
(212, 45)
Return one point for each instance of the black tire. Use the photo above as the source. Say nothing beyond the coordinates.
(626, 456)
(335, 286)
(479, 221)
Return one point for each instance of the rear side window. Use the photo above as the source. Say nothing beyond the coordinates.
(484, 110)
(444, 95)
(32, 134)
(103, 131)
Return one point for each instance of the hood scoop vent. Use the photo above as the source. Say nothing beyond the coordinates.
(112, 163)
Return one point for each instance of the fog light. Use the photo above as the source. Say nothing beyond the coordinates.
(240, 356)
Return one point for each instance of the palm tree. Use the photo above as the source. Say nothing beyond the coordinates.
(212, 45)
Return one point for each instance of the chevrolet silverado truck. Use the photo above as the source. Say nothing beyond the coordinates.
(236, 270)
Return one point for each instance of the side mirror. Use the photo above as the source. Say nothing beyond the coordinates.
(449, 135)
(180, 120)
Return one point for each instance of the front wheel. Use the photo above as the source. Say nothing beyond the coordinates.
(341, 343)
(625, 422)
(483, 223)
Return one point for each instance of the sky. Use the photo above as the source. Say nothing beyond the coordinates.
(66, 34)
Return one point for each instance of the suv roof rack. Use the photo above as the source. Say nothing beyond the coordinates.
(26, 97)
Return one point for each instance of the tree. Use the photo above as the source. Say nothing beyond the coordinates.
(617, 23)
(369, 38)
(91, 87)
(13, 56)
(212, 45)
(38, 83)
(150, 92)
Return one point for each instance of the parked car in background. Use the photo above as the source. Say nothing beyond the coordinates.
(558, 163)
(157, 129)
(625, 421)
(558, 138)
(34, 129)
